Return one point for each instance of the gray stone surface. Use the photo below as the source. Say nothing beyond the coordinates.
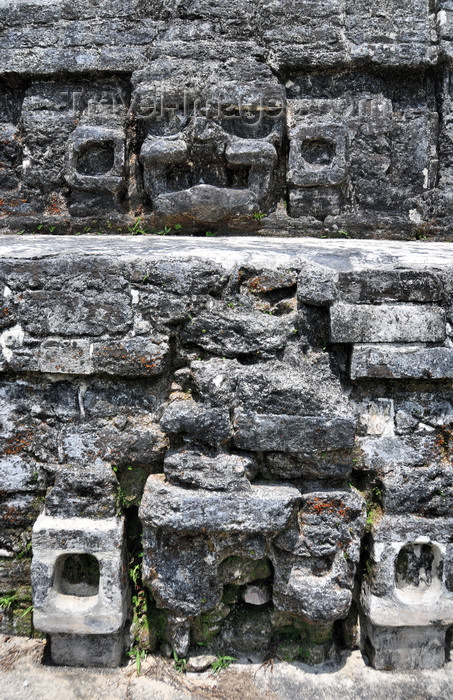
(216, 472)
(135, 397)
(401, 362)
(389, 323)
(270, 432)
(263, 509)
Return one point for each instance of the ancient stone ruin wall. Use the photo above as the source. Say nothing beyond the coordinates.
(192, 116)
(237, 443)
(250, 440)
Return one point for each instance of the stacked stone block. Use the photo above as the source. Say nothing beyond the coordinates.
(79, 570)
(224, 399)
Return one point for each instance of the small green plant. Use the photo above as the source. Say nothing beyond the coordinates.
(221, 663)
(8, 600)
(344, 233)
(25, 551)
(178, 227)
(210, 234)
(165, 231)
(19, 233)
(52, 229)
(121, 499)
(180, 664)
(39, 226)
(139, 655)
(27, 611)
(136, 229)
(258, 215)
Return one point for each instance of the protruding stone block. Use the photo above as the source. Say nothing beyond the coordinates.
(80, 592)
(408, 603)
(315, 559)
(83, 492)
(263, 509)
(387, 323)
(199, 423)
(268, 432)
(401, 362)
(221, 472)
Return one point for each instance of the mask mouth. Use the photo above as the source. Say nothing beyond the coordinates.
(207, 204)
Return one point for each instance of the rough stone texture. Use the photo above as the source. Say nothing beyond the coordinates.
(251, 455)
(401, 362)
(388, 323)
(145, 116)
(410, 588)
(88, 618)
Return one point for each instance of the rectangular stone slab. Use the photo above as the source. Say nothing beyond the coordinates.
(386, 323)
(399, 362)
(262, 509)
(268, 432)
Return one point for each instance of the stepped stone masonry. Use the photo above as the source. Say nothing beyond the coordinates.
(225, 416)
(237, 422)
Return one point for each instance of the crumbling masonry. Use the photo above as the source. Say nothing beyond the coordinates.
(239, 441)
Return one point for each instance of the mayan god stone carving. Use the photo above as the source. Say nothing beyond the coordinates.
(356, 150)
(74, 147)
(212, 136)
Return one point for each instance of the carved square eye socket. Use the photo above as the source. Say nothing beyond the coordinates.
(77, 575)
(417, 566)
(318, 151)
(96, 158)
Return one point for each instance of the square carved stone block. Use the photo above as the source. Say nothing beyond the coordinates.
(80, 593)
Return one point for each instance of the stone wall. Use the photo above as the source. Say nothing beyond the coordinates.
(270, 117)
(242, 444)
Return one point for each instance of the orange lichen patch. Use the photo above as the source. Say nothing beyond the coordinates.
(54, 206)
(333, 507)
(16, 444)
(444, 444)
(260, 284)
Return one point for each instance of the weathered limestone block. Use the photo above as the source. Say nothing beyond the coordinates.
(331, 466)
(137, 442)
(57, 356)
(73, 312)
(188, 533)
(139, 356)
(317, 284)
(409, 588)
(262, 510)
(83, 492)
(214, 472)
(129, 357)
(425, 490)
(232, 333)
(389, 323)
(390, 285)
(200, 423)
(304, 385)
(315, 560)
(401, 362)
(391, 33)
(79, 588)
(271, 432)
